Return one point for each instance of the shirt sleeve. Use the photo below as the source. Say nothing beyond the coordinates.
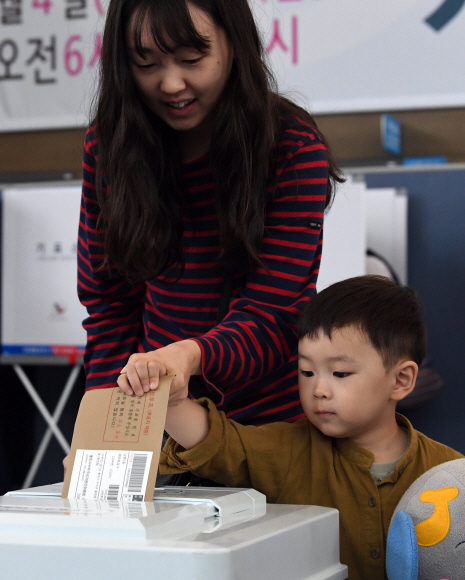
(114, 307)
(258, 334)
(236, 455)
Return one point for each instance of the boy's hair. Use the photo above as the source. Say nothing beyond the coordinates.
(391, 316)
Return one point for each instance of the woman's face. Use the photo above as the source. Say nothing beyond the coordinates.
(183, 88)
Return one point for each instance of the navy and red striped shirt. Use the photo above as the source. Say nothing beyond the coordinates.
(249, 360)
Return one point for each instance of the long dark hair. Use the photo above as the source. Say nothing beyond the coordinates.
(139, 170)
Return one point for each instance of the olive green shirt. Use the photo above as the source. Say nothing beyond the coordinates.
(294, 463)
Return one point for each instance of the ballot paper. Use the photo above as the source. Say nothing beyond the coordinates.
(116, 445)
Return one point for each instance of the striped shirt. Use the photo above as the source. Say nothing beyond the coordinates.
(249, 360)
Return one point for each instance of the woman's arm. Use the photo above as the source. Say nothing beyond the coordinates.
(114, 306)
(258, 335)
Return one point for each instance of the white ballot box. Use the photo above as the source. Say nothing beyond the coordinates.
(184, 534)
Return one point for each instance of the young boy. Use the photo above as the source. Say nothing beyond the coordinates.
(360, 344)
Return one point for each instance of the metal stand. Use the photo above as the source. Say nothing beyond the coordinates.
(51, 420)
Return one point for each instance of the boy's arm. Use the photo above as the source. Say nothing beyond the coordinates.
(214, 448)
(227, 452)
(187, 423)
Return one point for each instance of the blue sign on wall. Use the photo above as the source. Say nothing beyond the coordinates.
(391, 134)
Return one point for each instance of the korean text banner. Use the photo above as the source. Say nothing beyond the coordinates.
(49, 54)
(333, 56)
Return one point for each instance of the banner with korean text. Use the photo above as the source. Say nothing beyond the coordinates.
(332, 56)
(49, 54)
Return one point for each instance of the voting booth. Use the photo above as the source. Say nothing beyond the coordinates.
(360, 219)
(41, 316)
(195, 533)
(41, 313)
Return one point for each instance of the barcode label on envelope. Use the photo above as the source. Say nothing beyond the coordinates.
(110, 475)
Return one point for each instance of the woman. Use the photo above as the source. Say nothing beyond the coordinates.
(198, 176)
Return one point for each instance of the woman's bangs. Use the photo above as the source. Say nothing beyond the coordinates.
(171, 26)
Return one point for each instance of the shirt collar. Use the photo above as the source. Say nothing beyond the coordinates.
(365, 457)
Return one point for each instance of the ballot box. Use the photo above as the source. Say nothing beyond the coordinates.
(184, 534)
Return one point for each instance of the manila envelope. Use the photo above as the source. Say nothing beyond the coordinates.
(108, 419)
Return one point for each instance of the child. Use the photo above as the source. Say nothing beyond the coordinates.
(360, 344)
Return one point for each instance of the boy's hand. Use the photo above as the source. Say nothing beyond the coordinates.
(143, 371)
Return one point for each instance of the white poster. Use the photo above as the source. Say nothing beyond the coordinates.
(41, 313)
(332, 56)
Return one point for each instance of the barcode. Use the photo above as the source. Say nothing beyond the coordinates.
(113, 492)
(136, 478)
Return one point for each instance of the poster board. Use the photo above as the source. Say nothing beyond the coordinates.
(40, 311)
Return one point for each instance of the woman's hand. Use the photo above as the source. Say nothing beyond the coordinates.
(65, 464)
(143, 371)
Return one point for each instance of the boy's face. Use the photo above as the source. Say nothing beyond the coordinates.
(344, 387)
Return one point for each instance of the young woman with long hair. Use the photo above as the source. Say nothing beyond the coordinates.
(198, 175)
